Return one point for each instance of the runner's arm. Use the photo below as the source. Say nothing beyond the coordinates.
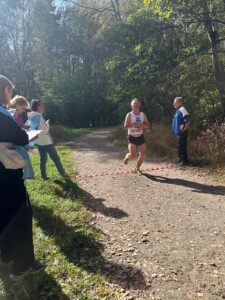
(146, 123)
(127, 123)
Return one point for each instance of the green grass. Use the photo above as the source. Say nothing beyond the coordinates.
(63, 133)
(64, 238)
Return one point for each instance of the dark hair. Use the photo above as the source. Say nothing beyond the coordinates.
(34, 104)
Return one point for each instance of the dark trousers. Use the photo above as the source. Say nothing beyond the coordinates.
(16, 241)
(182, 146)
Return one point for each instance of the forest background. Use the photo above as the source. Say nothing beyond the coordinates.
(88, 58)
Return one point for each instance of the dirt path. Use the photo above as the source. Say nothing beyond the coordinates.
(163, 231)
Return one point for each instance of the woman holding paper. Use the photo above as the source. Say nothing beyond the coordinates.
(16, 238)
(20, 104)
(44, 142)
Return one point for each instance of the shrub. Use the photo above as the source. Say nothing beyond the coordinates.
(160, 141)
(209, 146)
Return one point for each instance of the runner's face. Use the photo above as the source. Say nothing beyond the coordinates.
(135, 106)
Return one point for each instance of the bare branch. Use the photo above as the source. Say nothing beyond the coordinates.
(113, 9)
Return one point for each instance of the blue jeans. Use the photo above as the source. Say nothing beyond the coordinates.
(44, 150)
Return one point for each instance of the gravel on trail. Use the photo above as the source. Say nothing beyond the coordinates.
(163, 231)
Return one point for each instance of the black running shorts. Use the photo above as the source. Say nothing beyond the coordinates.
(137, 141)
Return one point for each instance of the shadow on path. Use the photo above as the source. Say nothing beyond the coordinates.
(92, 204)
(195, 186)
(79, 245)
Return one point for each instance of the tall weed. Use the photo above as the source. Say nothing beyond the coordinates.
(160, 141)
(209, 146)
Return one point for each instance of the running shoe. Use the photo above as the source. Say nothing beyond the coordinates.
(138, 171)
(126, 159)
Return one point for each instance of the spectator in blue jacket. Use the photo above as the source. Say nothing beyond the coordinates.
(180, 126)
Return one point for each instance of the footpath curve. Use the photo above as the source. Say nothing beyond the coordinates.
(163, 231)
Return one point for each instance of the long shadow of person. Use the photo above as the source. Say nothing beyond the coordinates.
(82, 249)
(195, 186)
(35, 287)
(93, 204)
(79, 245)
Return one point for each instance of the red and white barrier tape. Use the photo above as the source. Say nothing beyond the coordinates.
(121, 172)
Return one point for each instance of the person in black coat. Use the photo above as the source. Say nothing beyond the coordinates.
(16, 236)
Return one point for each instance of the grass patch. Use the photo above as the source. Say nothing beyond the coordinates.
(64, 238)
(63, 133)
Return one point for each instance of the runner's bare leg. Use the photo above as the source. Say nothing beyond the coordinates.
(132, 151)
(142, 155)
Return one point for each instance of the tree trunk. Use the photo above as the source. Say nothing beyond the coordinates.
(217, 61)
(116, 8)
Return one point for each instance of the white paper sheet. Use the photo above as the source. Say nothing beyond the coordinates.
(12, 111)
(32, 133)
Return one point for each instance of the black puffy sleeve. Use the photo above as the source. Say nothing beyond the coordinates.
(11, 132)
